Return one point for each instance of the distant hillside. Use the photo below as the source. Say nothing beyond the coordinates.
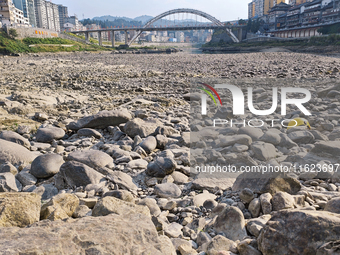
(111, 18)
(143, 19)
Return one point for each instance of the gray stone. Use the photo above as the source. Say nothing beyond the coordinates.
(108, 205)
(102, 119)
(199, 199)
(267, 183)
(246, 195)
(15, 138)
(137, 164)
(8, 168)
(93, 158)
(46, 165)
(333, 205)
(128, 234)
(271, 137)
(255, 207)
(140, 127)
(161, 167)
(76, 174)
(254, 226)
(48, 134)
(18, 210)
(120, 194)
(219, 244)
(282, 200)
(231, 222)
(301, 137)
(286, 141)
(161, 141)
(152, 205)
(245, 248)
(226, 141)
(173, 230)
(254, 133)
(14, 153)
(167, 190)
(89, 132)
(8, 183)
(82, 211)
(123, 180)
(179, 178)
(149, 144)
(298, 232)
(266, 205)
(25, 178)
(263, 151)
(46, 191)
(327, 149)
(334, 134)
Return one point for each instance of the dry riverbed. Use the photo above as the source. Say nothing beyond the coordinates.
(103, 140)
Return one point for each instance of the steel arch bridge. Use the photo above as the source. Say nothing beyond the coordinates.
(185, 10)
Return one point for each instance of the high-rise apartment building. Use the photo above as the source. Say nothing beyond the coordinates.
(63, 13)
(40, 13)
(259, 8)
(47, 15)
(27, 6)
(31, 13)
(10, 15)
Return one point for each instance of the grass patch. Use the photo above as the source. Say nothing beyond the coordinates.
(331, 40)
(9, 45)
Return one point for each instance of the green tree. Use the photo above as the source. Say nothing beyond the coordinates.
(242, 22)
(13, 33)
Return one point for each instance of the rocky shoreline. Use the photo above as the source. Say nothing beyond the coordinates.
(330, 50)
(95, 156)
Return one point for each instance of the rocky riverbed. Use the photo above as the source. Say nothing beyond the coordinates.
(95, 157)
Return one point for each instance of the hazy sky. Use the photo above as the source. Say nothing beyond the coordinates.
(221, 9)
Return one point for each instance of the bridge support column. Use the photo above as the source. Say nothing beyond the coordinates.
(240, 34)
(87, 37)
(100, 39)
(126, 37)
(113, 40)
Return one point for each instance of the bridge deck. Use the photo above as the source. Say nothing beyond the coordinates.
(176, 28)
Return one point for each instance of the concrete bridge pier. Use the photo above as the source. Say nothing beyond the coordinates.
(240, 34)
(126, 37)
(100, 39)
(113, 40)
(87, 37)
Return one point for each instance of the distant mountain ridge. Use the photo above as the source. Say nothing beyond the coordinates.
(143, 19)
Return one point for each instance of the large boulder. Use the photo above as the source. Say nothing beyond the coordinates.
(19, 209)
(161, 167)
(333, 205)
(123, 180)
(113, 234)
(46, 165)
(291, 232)
(230, 221)
(15, 138)
(76, 174)
(48, 134)
(93, 158)
(108, 205)
(64, 204)
(329, 149)
(102, 119)
(268, 182)
(14, 153)
(8, 183)
(141, 127)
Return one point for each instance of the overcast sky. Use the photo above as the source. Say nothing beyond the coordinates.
(223, 10)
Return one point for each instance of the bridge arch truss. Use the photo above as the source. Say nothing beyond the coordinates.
(186, 10)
